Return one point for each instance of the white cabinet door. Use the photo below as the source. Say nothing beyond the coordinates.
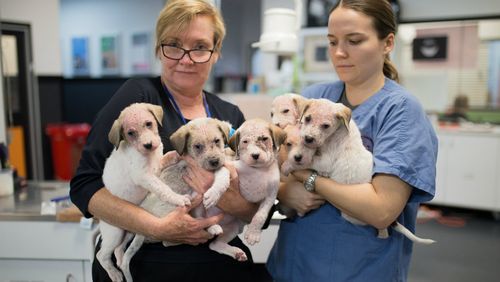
(471, 171)
(443, 151)
(42, 271)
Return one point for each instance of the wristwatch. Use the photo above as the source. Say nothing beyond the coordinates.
(309, 183)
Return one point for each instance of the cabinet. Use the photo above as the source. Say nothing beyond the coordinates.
(468, 170)
(45, 251)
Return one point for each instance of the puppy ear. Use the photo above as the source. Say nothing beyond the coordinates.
(345, 116)
(157, 112)
(278, 134)
(304, 107)
(300, 104)
(234, 142)
(179, 140)
(114, 135)
(225, 128)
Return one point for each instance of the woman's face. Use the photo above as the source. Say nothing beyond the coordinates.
(184, 75)
(355, 49)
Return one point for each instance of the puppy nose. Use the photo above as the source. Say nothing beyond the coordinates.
(255, 156)
(309, 139)
(214, 163)
(297, 158)
(148, 146)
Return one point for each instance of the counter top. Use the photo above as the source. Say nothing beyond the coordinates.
(25, 204)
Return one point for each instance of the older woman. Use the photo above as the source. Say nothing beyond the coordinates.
(189, 37)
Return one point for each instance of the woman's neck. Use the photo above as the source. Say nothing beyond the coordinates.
(190, 104)
(358, 93)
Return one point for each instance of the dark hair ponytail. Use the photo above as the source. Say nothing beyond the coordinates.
(390, 70)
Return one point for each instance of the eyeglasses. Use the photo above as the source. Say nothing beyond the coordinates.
(198, 56)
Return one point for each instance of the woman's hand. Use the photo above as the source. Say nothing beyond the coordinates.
(180, 227)
(196, 177)
(293, 195)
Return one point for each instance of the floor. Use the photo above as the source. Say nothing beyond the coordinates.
(467, 248)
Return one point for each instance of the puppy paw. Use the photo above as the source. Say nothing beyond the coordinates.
(178, 200)
(383, 233)
(252, 236)
(210, 198)
(240, 256)
(215, 229)
(286, 168)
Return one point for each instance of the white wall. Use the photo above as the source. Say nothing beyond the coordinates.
(414, 10)
(96, 18)
(43, 16)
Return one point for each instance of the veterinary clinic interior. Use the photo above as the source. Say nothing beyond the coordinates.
(62, 60)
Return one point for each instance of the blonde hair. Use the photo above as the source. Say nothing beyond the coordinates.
(384, 22)
(178, 14)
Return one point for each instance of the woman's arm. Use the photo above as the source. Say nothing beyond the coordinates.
(378, 203)
(177, 227)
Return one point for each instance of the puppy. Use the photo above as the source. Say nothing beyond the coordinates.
(131, 171)
(204, 140)
(255, 144)
(328, 126)
(298, 156)
(286, 109)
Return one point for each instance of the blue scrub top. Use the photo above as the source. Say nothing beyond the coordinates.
(323, 246)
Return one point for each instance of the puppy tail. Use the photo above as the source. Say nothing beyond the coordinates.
(407, 233)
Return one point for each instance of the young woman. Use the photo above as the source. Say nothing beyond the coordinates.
(321, 245)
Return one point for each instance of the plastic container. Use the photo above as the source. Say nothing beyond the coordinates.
(67, 141)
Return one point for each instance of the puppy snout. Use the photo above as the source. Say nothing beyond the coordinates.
(214, 162)
(255, 156)
(148, 146)
(309, 139)
(297, 158)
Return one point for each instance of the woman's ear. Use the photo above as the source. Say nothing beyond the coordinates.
(389, 43)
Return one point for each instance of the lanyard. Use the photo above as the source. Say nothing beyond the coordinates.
(178, 110)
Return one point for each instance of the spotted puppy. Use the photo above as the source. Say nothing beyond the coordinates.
(204, 140)
(328, 126)
(255, 143)
(132, 170)
(286, 109)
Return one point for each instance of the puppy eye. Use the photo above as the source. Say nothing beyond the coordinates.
(285, 111)
(149, 124)
(325, 126)
(272, 114)
(307, 118)
(245, 141)
(289, 144)
(198, 147)
(131, 133)
(217, 141)
(265, 138)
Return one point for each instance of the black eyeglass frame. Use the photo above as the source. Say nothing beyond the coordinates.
(188, 52)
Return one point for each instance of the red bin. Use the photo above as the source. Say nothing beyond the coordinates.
(67, 141)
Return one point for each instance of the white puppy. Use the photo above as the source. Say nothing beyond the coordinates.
(286, 109)
(328, 126)
(255, 143)
(203, 139)
(131, 171)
